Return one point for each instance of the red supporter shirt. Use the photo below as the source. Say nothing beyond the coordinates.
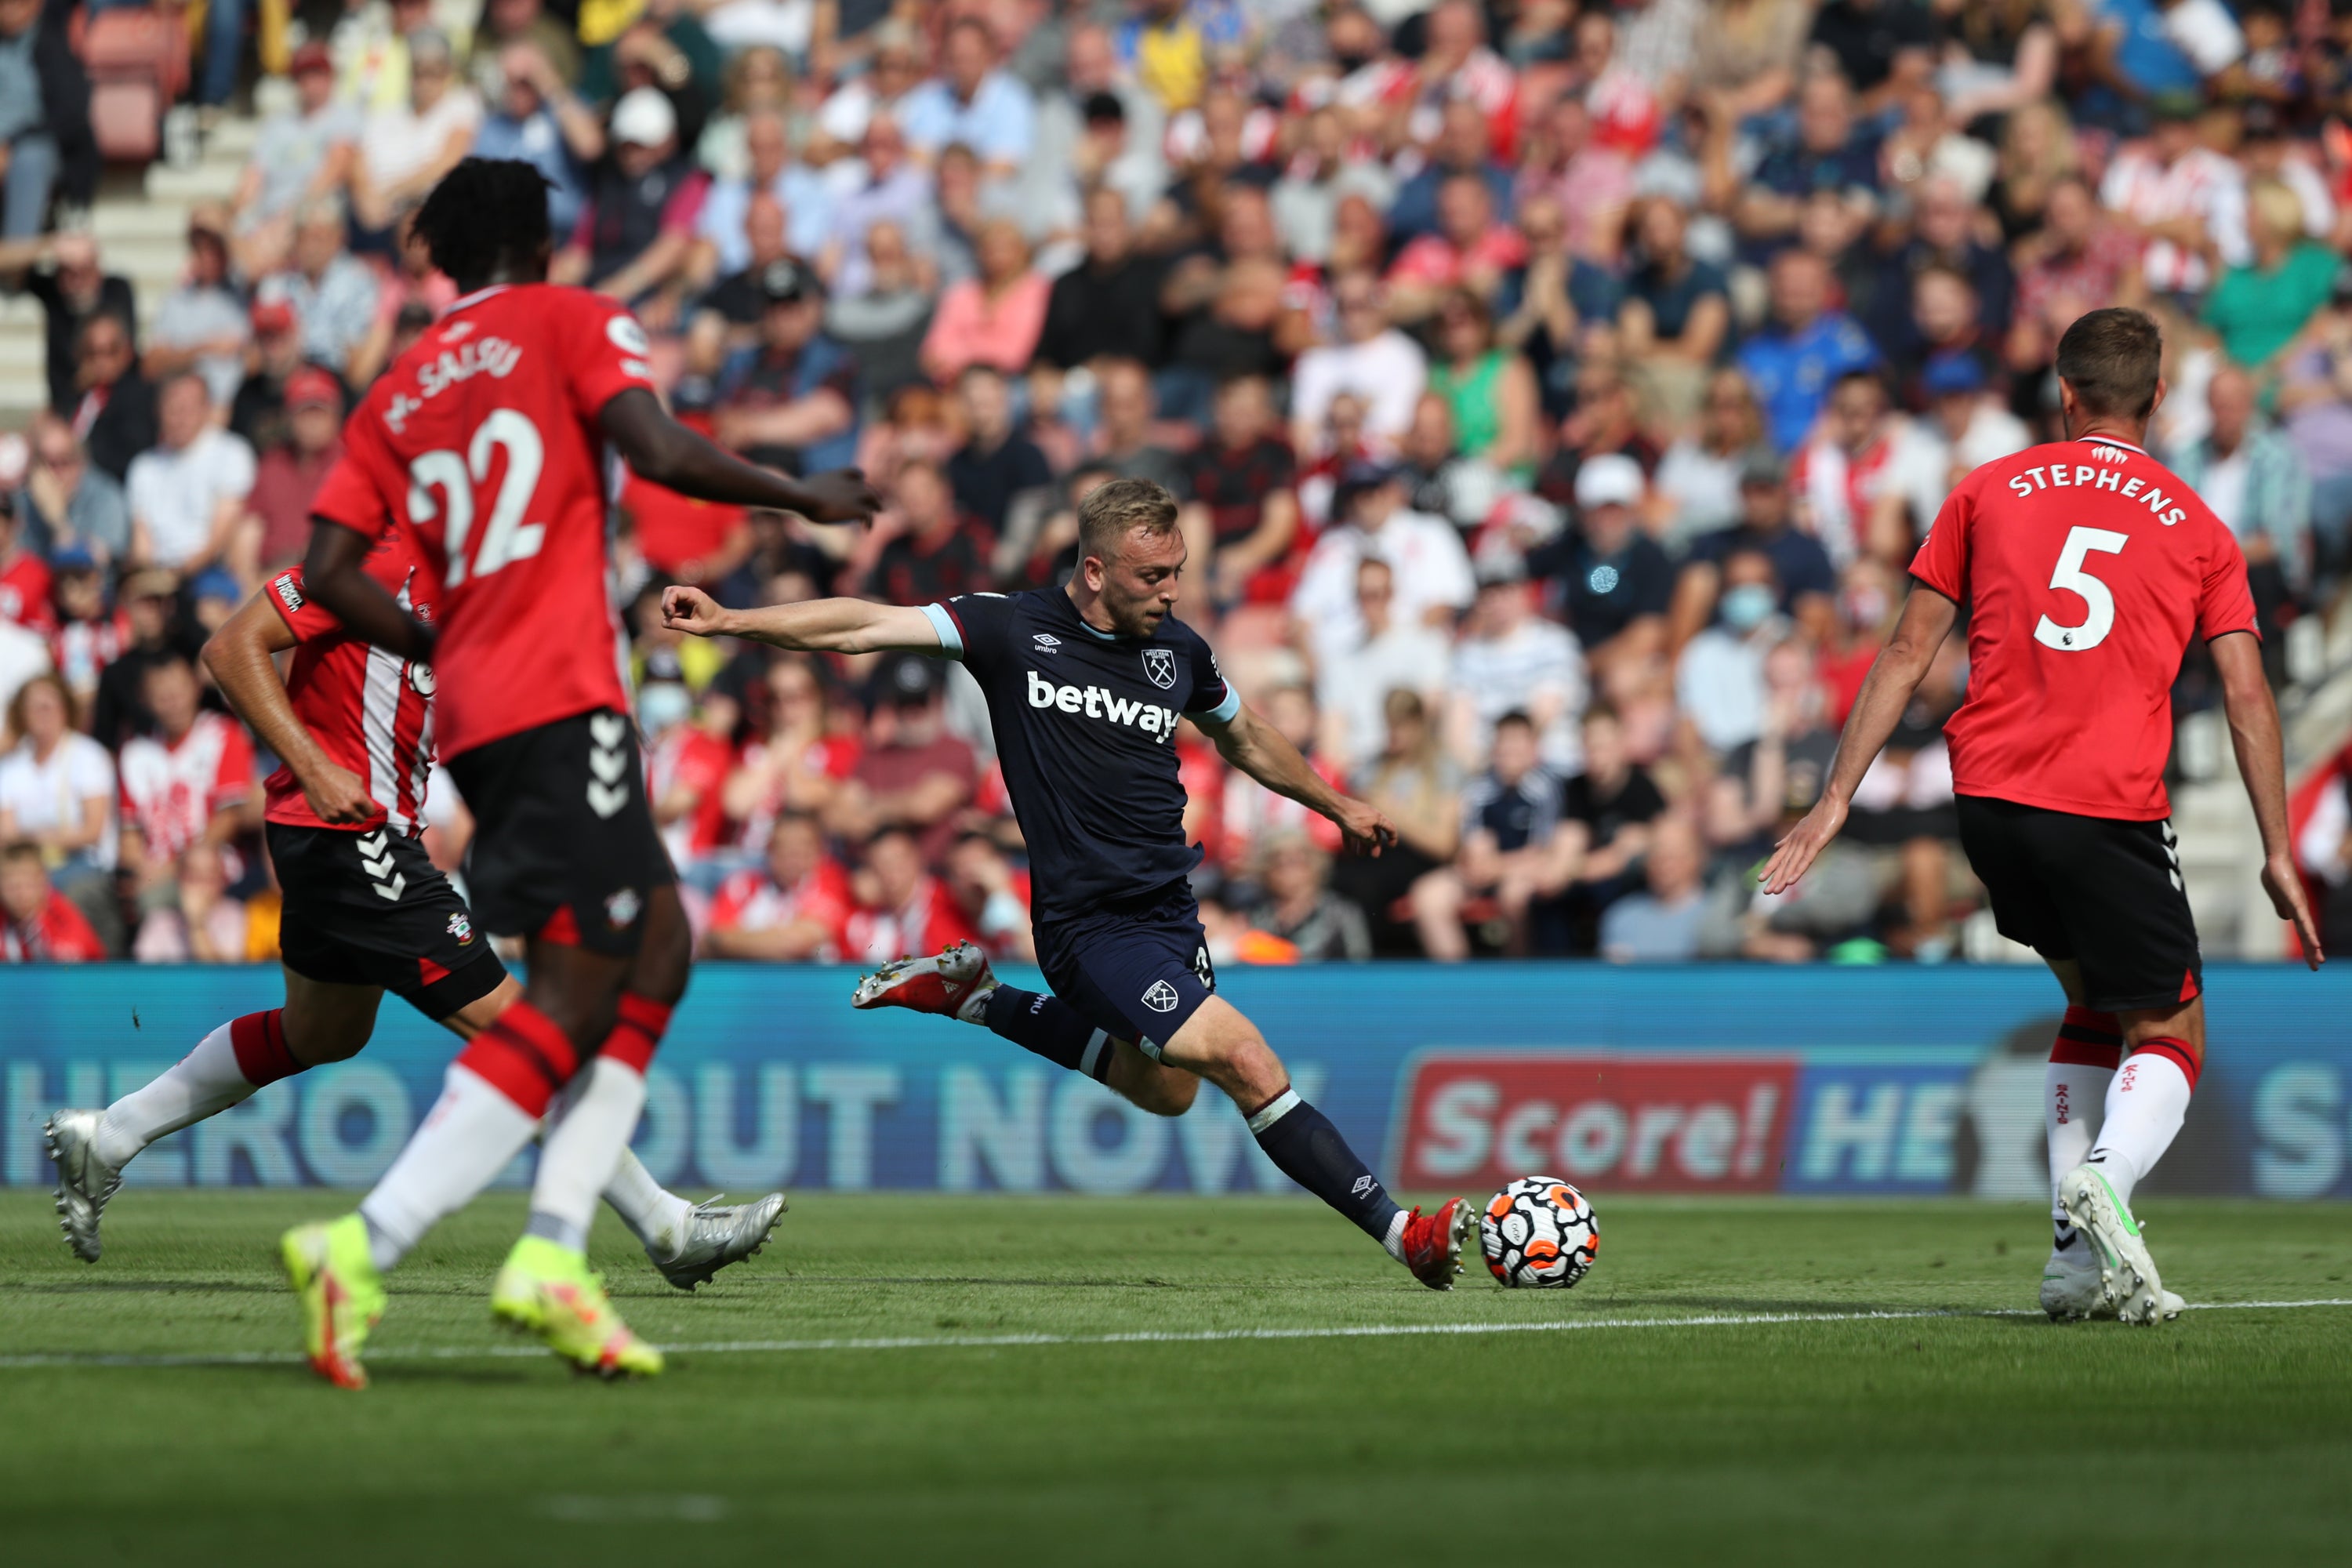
(25, 595)
(675, 531)
(60, 933)
(370, 710)
(482, 441)
(751, 900)
(171, 789)
(2085, 567)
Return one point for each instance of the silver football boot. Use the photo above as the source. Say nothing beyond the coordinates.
(2074, 1287)
(2129, 1280)
(84, 1180)
(716, 1235)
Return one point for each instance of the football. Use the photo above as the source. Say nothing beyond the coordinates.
(1538, 1232)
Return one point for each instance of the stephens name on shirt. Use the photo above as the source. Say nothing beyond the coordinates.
(2029, 482)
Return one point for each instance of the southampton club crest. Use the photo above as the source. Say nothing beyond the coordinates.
(461, 928)
(1159, 663)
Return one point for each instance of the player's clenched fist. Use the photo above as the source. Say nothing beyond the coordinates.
(692, 611)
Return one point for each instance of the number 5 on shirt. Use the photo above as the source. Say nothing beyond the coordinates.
(2070, 575)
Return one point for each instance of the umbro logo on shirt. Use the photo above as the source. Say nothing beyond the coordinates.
(1047, 642)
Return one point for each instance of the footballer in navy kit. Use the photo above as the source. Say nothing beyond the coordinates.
(1085, 685)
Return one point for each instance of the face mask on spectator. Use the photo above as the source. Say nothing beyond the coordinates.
(1746, 606)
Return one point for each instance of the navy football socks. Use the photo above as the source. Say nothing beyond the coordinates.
(1051, 1029)
(1301, 1141)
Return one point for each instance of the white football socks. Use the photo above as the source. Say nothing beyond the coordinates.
(463, 1143)
(655, 1216)
(204, 1082)
(2073, 1096)
(592, 1124)
(2146, 1105)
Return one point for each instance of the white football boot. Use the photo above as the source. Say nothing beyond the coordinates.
(2128, 1277)
(954, 983)
(716, 1235)
(84, 1180)
(2074, 1286)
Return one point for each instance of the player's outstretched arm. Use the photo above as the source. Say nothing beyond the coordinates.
(2262, 763)
(1895, 675)
(1263, 753)
(334, 572)
(239, 657)
(815, 626)
(660, 449)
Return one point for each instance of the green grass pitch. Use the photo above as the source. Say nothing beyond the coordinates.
(1956, 1429)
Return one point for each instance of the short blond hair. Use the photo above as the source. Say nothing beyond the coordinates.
(1117, 508)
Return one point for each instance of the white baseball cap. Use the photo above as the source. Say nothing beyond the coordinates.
(644, 116)
(1611, 478)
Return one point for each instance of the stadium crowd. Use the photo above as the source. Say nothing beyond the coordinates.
(1555, 393)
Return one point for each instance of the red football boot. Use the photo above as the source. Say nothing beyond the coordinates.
(946, 984)
(1433, 1243)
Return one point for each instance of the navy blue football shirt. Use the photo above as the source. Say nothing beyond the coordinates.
(1086, 726)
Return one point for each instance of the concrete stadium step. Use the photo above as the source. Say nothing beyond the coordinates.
(200, 182)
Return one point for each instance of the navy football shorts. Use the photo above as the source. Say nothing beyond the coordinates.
(1138, 970)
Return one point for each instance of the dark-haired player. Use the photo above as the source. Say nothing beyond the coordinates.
(2086, 567)
(1085, 685)
(491, 444)
(366, 912)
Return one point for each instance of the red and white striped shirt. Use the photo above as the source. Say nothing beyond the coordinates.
(172, 788)
(2201, 185)
(370, 710)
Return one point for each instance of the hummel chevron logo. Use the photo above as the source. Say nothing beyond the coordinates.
(607, 765)
(608, 728)
(375, 858)
(606, 792)
(606, 799)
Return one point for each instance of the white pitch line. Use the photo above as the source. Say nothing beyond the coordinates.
(1138, 1337)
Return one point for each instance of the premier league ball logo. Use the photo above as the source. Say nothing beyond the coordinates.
(1159, 663)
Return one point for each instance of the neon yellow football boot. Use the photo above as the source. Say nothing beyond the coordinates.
(547, 1291)
(342, 1295)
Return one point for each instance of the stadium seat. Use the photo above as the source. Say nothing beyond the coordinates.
(138, 60)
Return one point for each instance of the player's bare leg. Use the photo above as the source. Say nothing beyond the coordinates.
(1223, 1047)
(957, 982)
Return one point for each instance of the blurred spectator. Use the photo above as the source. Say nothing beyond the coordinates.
(202, 923)
(1463, 149)
(1806, 347)
(1123, 434)
(68, 503)
(1108, 305)
(893, 68)
(1432, 583)
(994, 318)
(45, 147)
(1354, 687)
(796, 761)
(2075, 262)
(1744, 54)
(913, 774)
(1660, 925)
(1491, 389)
(1511, 660)
(637, 226)
(190, 495)
(930, 553)
(2247, 470)
(38, 924)
(2315, 403)
(1410, 888)
(902, 908)
(1699, 477)
(1677, 307)
(884, 323)
(57, 791)
(510, 24)
(759, 81)
(992, 896)
(690, 750)
(73, 291)
(1324, 168)
(301, 153)
(90, 635)
(1945, 234)
(1558, 306)
(1605, 817)
(331, 292)
(1615, 583)
(2173, 194)
(1509, 856)
(1970, 426)
(287, 478)
(534, 117)
(1471, 251)
(1296, 903)
(2260, 307)
(259, 411)
(879, 186)
(1829, 155)
(24, 571)
(1856, 478)
(1371, 362)
(997, 464)
(1241, 513)
(972, 102)
(792, 906)
(790, 398)
(1800, 566)
(1943, 324)
(1252, 814)
(182, 786)
(202, 325)
(406, 146)
(415, 294)
(1720, 675)
(723, 226)
(148, 634)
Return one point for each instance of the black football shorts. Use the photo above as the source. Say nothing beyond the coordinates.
(2103, 892)
(1138, 970)
(370, 909)
(564, 846)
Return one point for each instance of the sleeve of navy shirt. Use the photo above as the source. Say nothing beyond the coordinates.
(1212, 697)
(973, 628)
